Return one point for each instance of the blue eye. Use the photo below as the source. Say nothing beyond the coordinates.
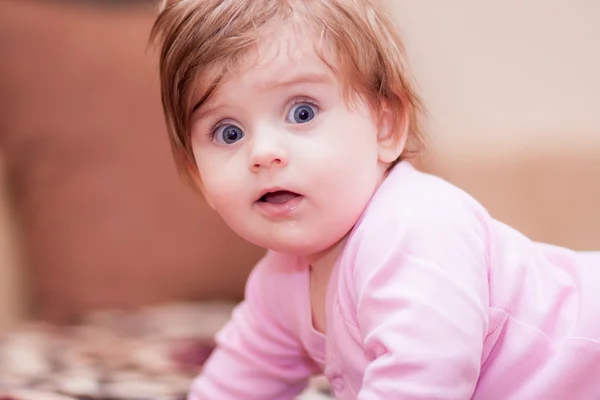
(228, 134)
(301, 113)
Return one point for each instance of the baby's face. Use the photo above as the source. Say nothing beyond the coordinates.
(285, 161)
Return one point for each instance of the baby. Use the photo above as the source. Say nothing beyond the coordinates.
(296, 120)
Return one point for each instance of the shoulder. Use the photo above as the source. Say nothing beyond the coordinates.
(412, 205)
(417, 199)
(417, 220)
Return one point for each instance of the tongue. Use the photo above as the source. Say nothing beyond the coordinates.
(279, 197)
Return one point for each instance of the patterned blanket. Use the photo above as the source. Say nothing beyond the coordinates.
(150, 354)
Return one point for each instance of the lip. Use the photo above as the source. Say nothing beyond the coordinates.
(278, 210)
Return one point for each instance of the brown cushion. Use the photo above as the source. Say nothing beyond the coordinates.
(106, 219)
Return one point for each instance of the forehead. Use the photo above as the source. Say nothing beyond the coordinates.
(283, 55)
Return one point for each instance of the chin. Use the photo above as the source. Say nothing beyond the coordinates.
(293, 240)
(299, 246)
(292, 249)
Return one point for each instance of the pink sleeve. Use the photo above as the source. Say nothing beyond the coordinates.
(257, 355)
(422, 302)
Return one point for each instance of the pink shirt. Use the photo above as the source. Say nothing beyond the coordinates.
(430, 299)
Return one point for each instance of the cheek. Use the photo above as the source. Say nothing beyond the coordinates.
(354, 144)
(355, 171)
(217, 180)
(218, 187)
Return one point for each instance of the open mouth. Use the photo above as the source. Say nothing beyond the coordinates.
(278, 197)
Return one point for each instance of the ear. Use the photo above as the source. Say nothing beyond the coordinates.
(391, 140)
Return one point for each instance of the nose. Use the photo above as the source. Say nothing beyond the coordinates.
(267, 151)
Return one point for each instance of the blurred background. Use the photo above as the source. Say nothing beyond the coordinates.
(93, 214)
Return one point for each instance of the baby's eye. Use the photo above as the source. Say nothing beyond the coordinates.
(228, 134)
(301, 113)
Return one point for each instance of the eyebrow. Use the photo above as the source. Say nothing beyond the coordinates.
(312, 77)
(198, 112)
(304, 78)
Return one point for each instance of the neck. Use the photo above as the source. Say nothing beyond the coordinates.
(325, 260)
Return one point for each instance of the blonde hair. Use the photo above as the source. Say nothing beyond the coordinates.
(201, 41)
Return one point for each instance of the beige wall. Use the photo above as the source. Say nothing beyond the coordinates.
(514, 93)
(509, 74)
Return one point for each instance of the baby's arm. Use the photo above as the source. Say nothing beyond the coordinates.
(257, 356)
(422, 309)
